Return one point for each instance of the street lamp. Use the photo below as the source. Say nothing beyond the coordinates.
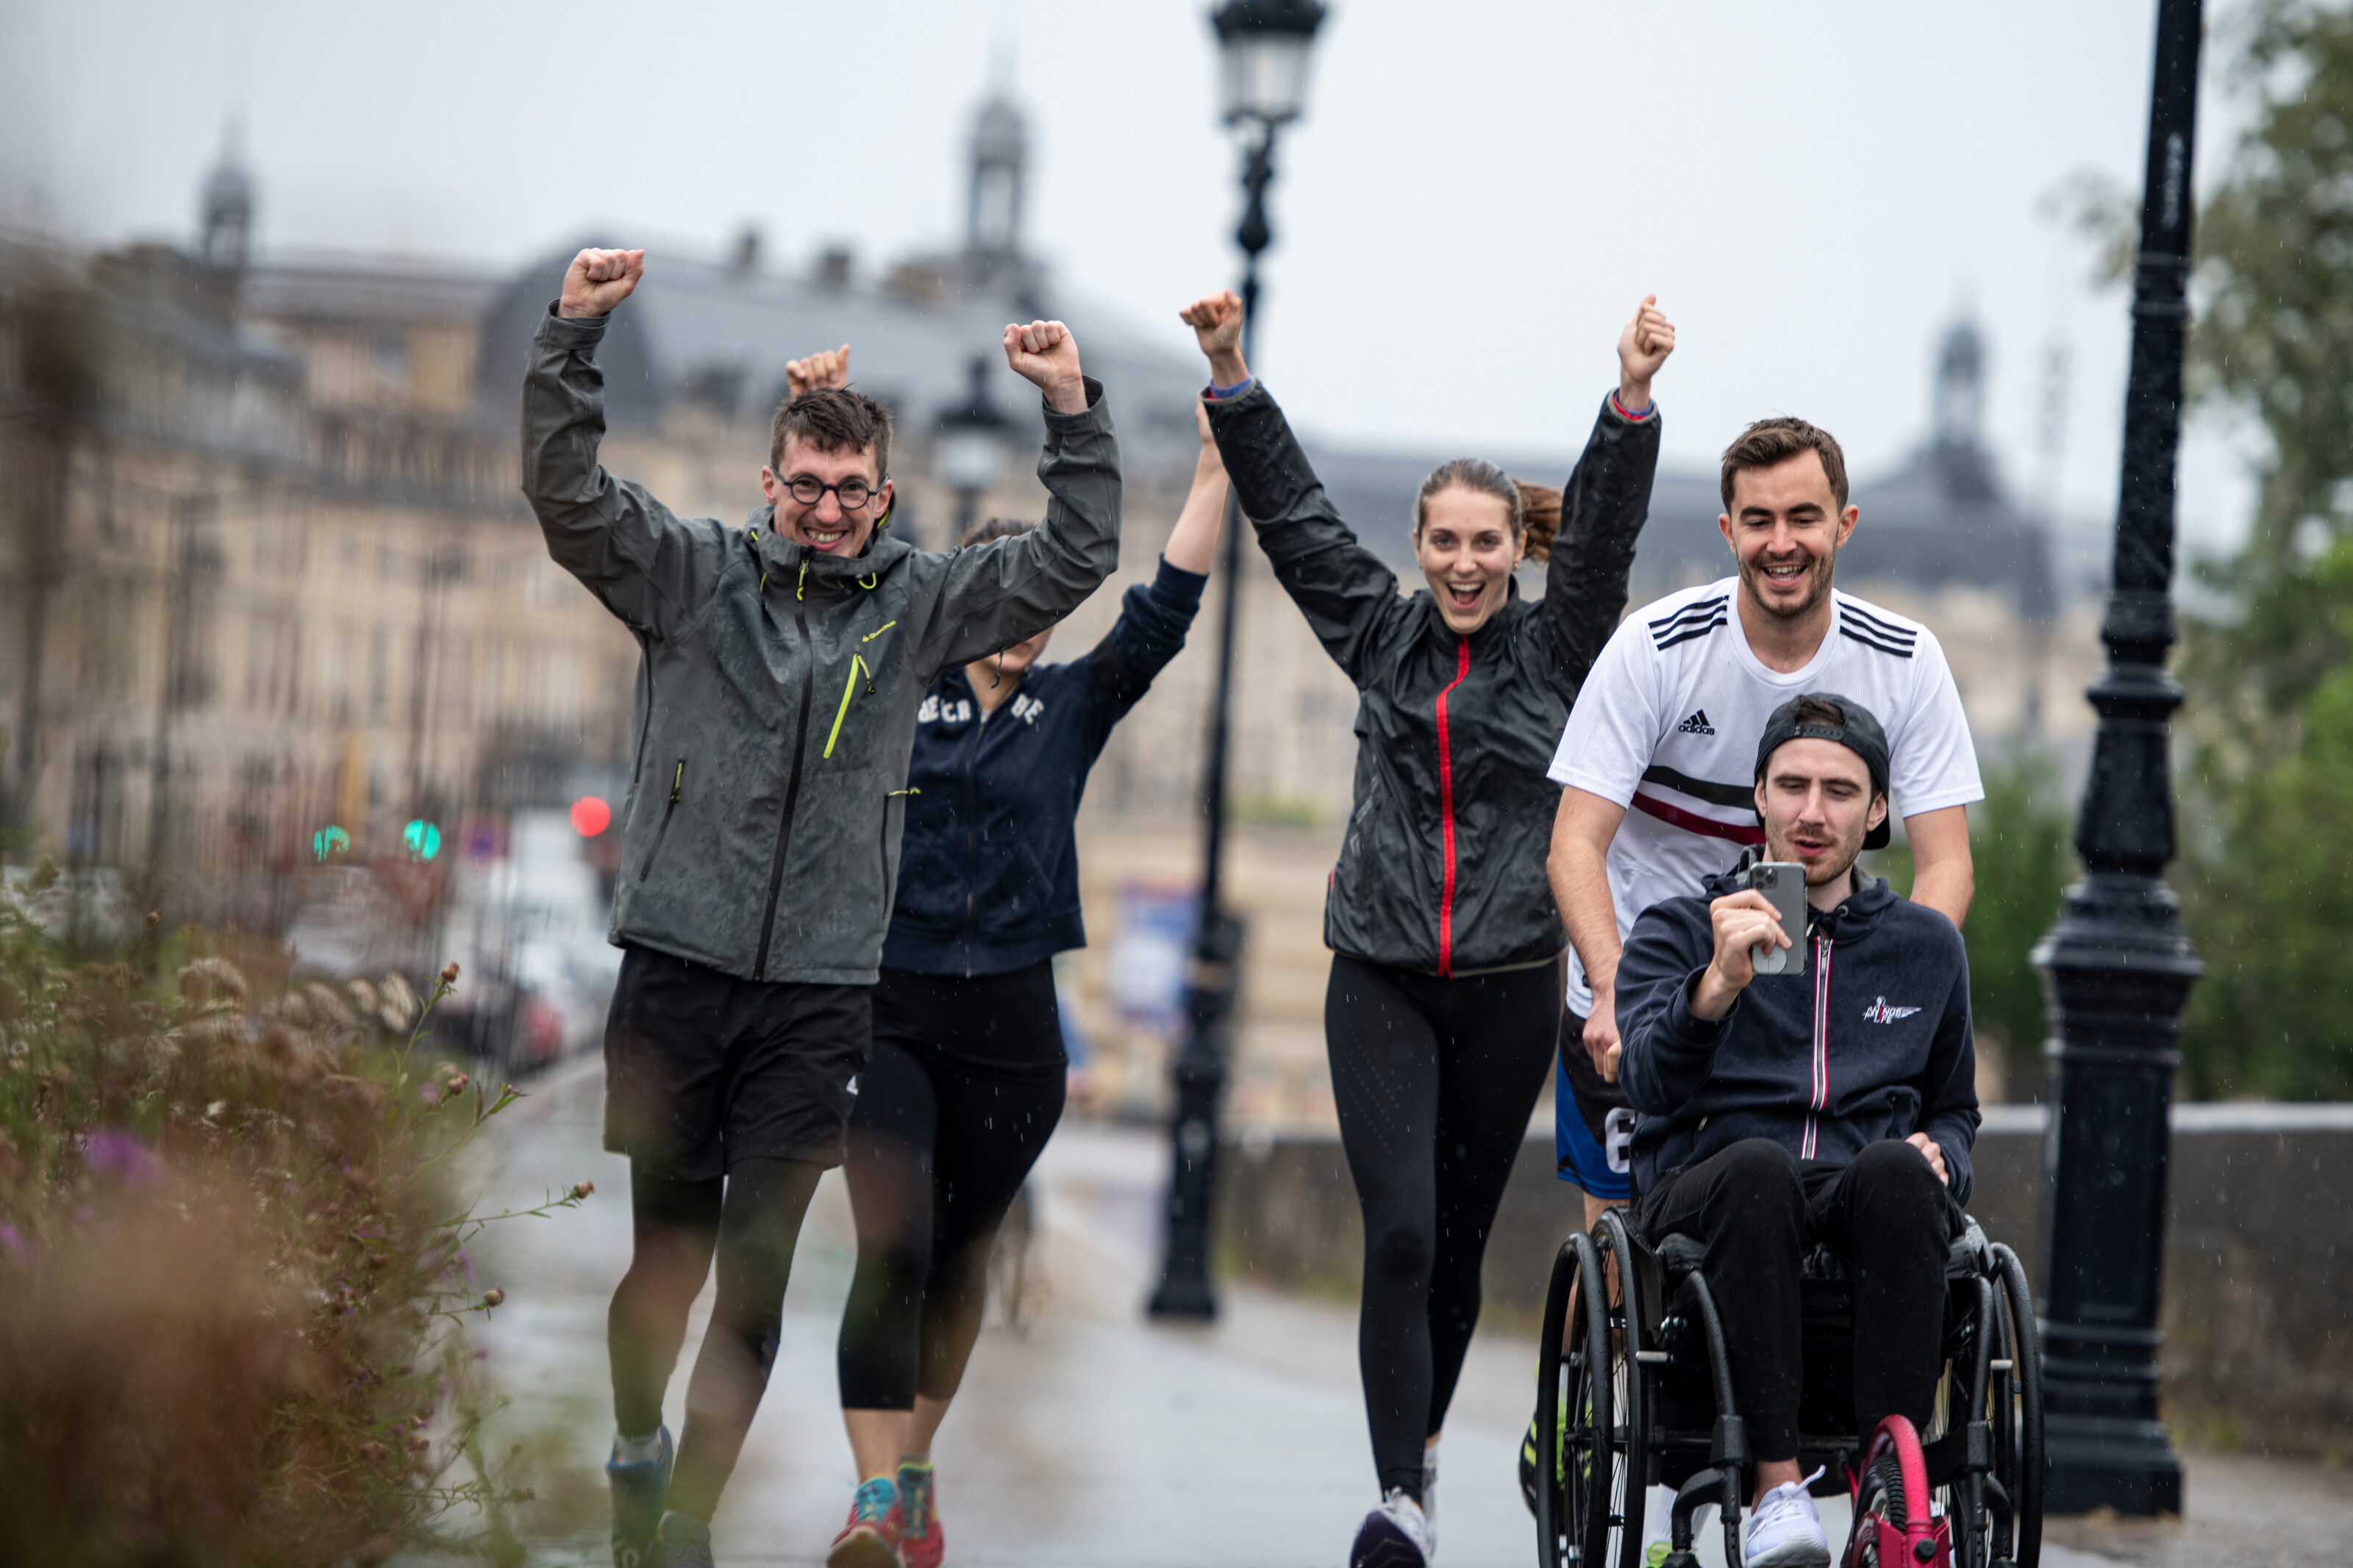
(969, 455)
(2116, 968)
(1263, 47)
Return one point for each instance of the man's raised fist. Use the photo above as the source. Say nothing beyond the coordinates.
(599, 279)
(1045, 354)
(827, 367)
(1216, 323)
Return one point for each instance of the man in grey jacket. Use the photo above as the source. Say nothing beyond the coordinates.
(776, 712)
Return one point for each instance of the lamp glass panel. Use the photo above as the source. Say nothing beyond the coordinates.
(1265, 75)
(970, 459)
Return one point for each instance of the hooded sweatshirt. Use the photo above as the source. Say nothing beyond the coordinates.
(1872, 1042)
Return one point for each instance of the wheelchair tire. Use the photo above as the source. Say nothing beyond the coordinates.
(1894, 1524)
(1587, 1464)
(2019, 1461)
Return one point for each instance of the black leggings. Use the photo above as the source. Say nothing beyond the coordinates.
(962, 1088)
(1434, 1080)
(1756, 1206)
(750, 1219)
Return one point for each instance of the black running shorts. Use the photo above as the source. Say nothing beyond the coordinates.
(702, 1069)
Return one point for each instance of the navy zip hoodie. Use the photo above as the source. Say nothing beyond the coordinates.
(1872, 1042)
(988, 867)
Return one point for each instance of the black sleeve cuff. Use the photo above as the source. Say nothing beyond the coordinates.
(1179, 587)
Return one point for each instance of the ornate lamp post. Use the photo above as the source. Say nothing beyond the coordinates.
(969, 455)
(1264, 48)
(2117, 968)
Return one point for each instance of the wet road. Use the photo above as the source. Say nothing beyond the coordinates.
(1088, 1437)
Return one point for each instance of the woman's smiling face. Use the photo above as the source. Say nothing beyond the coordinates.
(1467, 549)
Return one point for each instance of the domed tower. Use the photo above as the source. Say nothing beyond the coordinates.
(1000, 154)
(1958, 416)
(228, 221)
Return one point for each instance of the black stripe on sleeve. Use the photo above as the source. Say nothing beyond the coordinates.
(1701, 610)
(1667, 640)
(1903, 652)
(1874, 623)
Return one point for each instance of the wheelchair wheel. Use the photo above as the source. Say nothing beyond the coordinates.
(1586, 1464)
(1894, 1527)
(2014, 1501)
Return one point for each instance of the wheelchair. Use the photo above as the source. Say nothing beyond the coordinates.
(1637, 1393)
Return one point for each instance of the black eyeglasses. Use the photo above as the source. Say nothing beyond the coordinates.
(853, 494)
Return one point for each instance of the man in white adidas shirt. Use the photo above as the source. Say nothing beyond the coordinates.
(1667, 725)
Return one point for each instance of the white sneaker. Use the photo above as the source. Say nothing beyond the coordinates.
(1429, 1502)
(1395, 1535)
(1785, 1532)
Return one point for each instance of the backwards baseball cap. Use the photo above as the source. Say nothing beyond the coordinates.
(1854, 728)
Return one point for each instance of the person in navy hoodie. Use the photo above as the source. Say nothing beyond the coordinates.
(966, 1077)
(1776, 1111)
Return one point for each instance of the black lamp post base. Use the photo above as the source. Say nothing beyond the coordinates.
(2129, 1466)
(1185, 1300)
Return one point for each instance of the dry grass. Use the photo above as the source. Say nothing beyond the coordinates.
(232, 1286)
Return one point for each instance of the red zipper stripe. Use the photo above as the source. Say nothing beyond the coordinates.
(1446, 814)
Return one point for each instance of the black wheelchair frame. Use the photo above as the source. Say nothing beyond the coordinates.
(1647, 1391)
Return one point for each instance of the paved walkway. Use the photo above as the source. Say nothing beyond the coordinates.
(1091, 1437)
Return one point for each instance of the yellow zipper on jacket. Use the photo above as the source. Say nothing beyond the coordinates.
(858, 665)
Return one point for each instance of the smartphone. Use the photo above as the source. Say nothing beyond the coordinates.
(1783, 883)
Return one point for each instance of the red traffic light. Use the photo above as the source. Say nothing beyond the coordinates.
(590, 816)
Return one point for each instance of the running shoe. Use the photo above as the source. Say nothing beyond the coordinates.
(682, 1542)
(870, 1539)
(1394, 1535)
(638, 1488)
(920, 1541)
(1785, 1532)
(1429, 1501)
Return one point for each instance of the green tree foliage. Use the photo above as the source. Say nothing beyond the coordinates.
(2020, 843)
(2267, 806)
(2268, 881)
(2019, 848)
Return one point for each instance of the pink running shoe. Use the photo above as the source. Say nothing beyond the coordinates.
(920, 1541)
(870, 1539)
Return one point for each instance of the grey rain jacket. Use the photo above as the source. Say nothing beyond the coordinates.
(1872, 1042)
(777, 697)
(1442, 870)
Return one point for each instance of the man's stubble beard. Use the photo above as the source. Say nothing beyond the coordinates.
(1819, 581)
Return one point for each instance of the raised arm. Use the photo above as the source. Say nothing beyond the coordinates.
(999, 592)
(1603, 508)
(1668, 1047)
(1155, 616)
(1344, 589)
(645, 565)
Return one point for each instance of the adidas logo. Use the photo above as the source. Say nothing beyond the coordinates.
(1697, 724)
(1879, 1012)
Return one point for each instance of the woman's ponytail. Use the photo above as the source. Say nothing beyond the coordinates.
(1539, 517)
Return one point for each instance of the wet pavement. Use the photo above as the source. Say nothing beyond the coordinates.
(1086, 1436)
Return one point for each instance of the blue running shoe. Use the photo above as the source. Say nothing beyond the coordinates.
(637, 1491)
(682, 1542)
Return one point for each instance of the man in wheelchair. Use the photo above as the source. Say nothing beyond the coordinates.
(1777, 1112)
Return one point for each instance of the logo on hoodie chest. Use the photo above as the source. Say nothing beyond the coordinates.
(1880, 1011)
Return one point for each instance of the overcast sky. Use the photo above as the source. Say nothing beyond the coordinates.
(1478, 194)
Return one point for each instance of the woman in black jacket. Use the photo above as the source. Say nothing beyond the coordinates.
(965, 1079)
(1445, 993)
